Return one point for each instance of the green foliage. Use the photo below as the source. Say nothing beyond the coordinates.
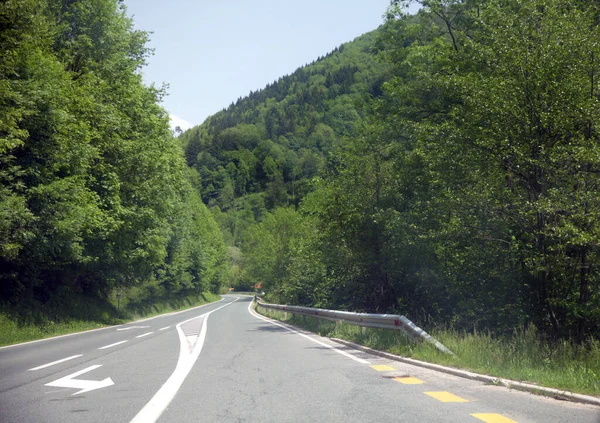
(444, 166)
(94, 192)
(503, 115)
(68, 312)
(277, 138)
(469, 192)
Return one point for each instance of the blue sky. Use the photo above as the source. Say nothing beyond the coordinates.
(211, 52)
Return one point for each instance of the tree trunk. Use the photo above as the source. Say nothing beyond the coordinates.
(584, 293)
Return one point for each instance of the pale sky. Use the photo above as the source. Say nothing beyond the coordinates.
(211, 52)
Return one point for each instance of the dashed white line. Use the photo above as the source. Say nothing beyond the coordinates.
(144, 334)
(112, 345)
(56, 362)
(108, 327)
(133, 327)
(166, 327)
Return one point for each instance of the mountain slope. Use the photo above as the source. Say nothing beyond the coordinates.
(275, 140)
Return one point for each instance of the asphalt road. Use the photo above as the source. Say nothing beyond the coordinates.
(221, 363)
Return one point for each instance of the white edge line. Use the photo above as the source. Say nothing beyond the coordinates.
(144, 334)
(107, 327)
(344, 353)
(165, 328)
(163, 397)
(174, 313)
(55, 362)
(112, 345)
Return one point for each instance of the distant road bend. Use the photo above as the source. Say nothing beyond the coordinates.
(223, 363)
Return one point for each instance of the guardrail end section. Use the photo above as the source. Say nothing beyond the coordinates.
(391, 321)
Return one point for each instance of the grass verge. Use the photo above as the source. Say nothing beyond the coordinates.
(521, 357)
(72, 313)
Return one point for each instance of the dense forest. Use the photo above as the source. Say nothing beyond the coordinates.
(444, 166)
(273, 141)
(95, 195)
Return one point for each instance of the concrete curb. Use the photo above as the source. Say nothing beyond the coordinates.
(521, 386)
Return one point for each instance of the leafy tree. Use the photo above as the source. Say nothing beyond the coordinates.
(94, 192)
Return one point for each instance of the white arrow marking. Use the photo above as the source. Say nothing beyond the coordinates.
(133, 327)
(84, 385)
(161, 400)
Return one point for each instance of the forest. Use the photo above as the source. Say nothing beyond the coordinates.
(95, 194)
(444, 166)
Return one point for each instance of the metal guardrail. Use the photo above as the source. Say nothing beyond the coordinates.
(382, 321)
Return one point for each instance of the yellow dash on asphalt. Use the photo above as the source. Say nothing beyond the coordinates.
(493, 418)
(382, 367)
(409, 380)
(444, 396)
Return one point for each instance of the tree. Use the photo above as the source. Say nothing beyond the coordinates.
(92, 183)
(502, 107)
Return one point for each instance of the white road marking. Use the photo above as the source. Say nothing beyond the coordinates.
(166, 327)
(134, 327)
(55, 362)
(344, 353)
(112, 345)
(161, 400)
(108, 327)
(85, 385)
(144, 334)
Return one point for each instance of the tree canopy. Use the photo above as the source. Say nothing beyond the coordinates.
(94, 191)
(443, 166)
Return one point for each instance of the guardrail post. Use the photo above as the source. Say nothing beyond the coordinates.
(285, 315)
(363, 330)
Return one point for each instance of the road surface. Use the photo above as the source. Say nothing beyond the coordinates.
(222, 363)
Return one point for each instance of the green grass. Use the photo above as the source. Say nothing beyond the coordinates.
(133, 309)
(75, 313)
(523, 356)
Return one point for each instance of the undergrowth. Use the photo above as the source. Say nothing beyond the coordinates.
(67, 313)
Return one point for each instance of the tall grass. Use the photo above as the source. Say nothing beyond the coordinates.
(523, 356)
(68, 313)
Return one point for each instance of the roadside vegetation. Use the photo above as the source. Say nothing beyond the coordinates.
(521, 356)
(79, 313)
(444, 167)
(95, 197)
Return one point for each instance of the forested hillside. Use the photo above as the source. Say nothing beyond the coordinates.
(444, 166)
(263, 151)
(95, 195)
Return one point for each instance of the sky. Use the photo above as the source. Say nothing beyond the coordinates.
(211, 52)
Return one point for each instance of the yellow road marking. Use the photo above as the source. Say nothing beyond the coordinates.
(409, 380)
(382, 367)
(444, 396)
(493, 418)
